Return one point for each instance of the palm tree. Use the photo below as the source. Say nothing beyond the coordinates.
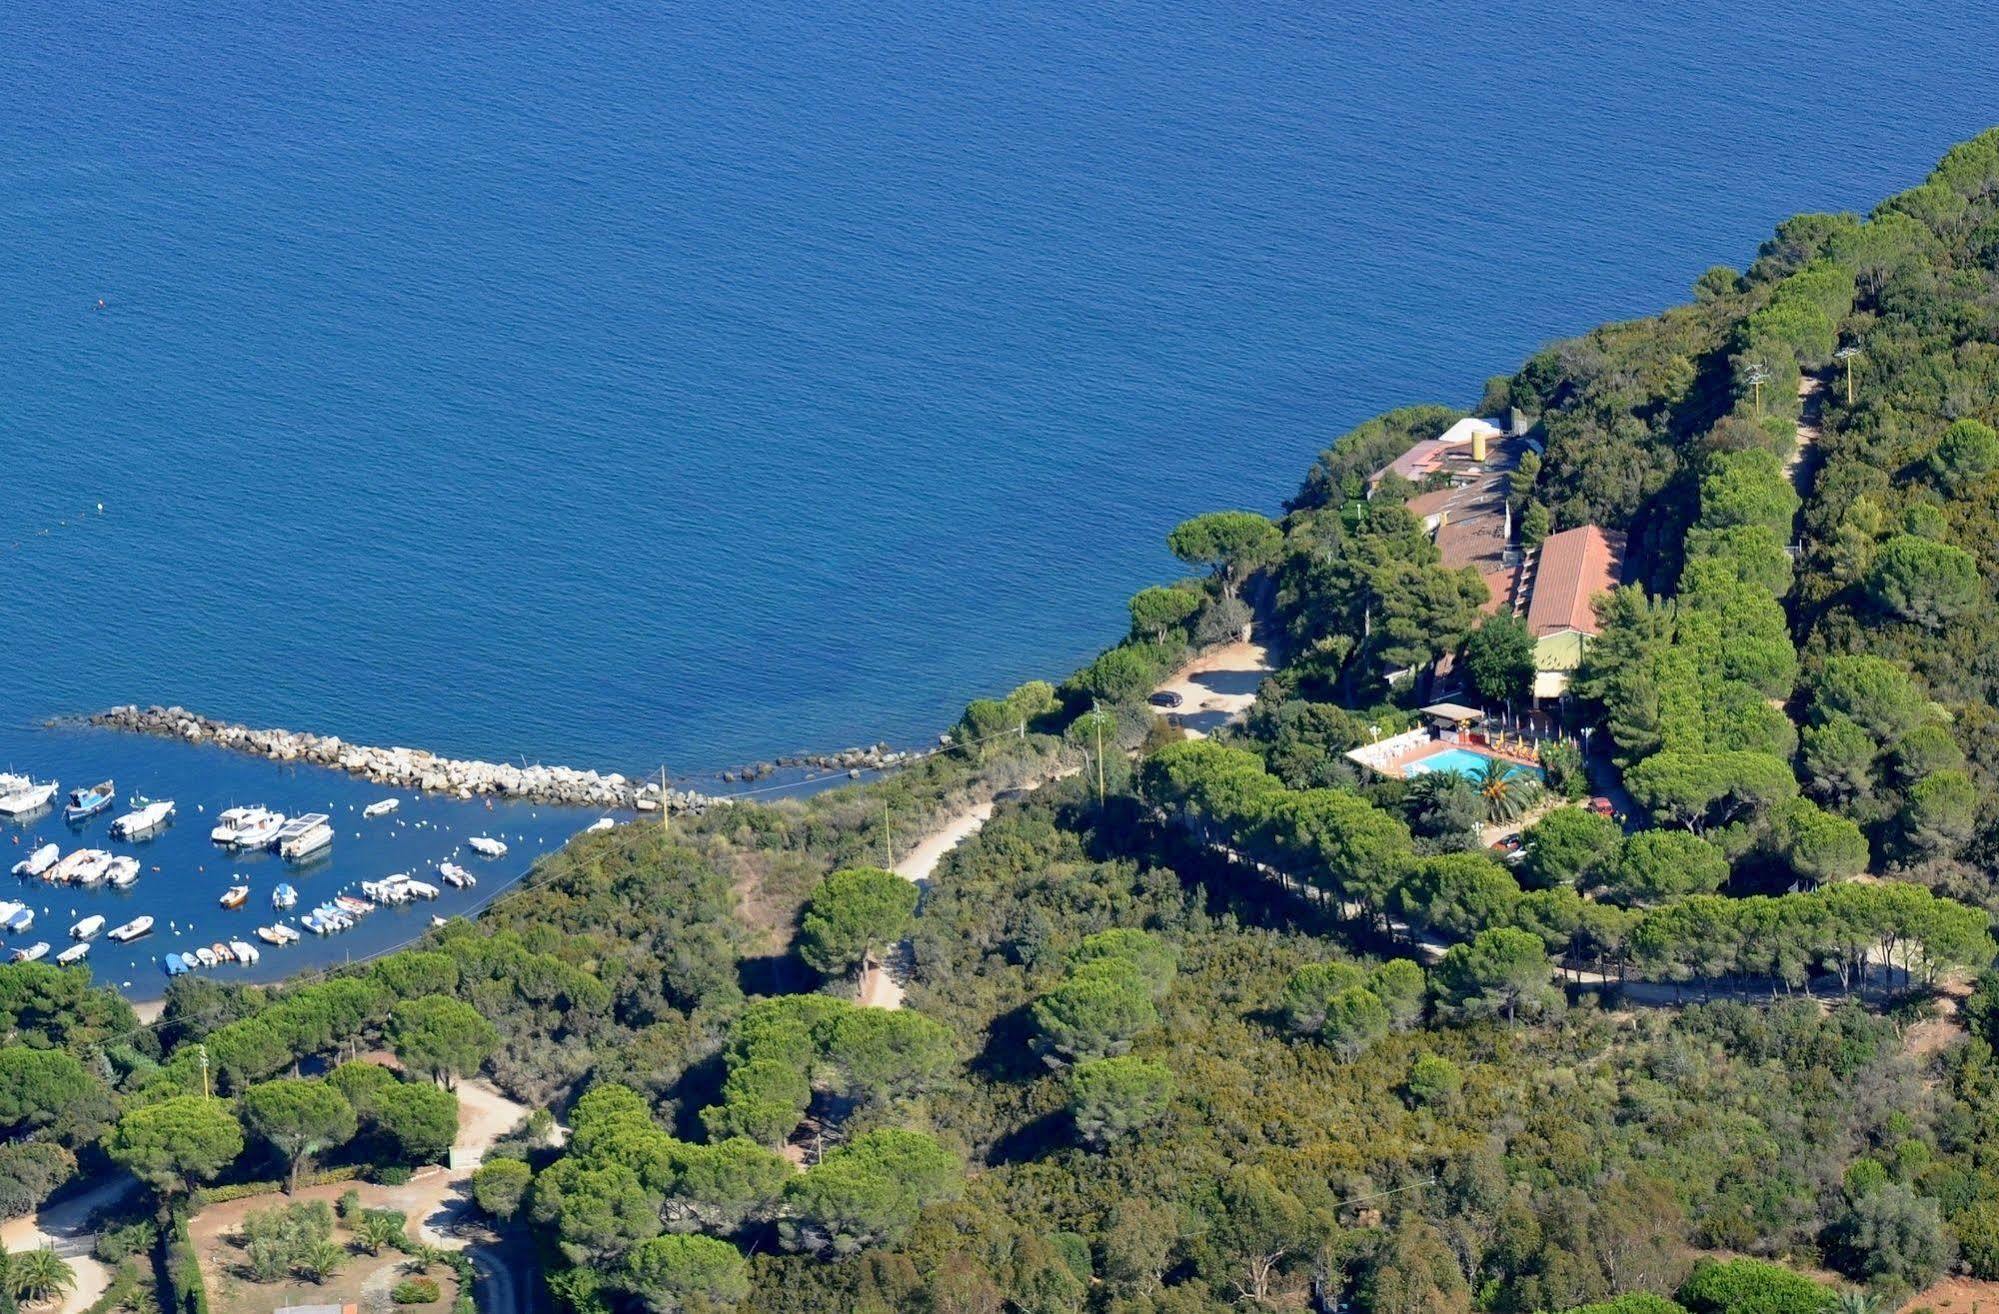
(1507, 790)
(322, 1260)
(38, 1277)
(377, 1230)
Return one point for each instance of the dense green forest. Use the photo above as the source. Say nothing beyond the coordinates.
(1200, 1024)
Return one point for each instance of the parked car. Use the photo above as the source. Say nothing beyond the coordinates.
(1166, 698)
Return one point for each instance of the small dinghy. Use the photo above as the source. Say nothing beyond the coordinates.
(381, 809)
(235, 896)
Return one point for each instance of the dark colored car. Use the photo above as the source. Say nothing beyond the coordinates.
(1165, 698)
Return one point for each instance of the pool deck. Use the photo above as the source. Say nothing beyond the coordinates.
(1398, 766)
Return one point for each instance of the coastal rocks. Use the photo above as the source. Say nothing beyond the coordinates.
(408, 768)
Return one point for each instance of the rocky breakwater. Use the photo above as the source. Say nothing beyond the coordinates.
(407, 768)
(852, 761)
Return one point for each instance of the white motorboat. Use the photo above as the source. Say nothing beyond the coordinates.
(87, 928)
(236, 896)
(487, 847)
(38, 862)
(143, 821)
(246, 953)
(381, 809)
(9, 782)
(133, 929)
(422, 889)
(123, 872)
(33, 953)
(388, 890)
(26, 797)
(599, 825)
(456, 876)
(260, 829)
(204, 955)
(74, 954)
(230, 822)
(21, 919)
(306, 843)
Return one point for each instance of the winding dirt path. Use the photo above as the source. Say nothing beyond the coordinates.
(881, 984)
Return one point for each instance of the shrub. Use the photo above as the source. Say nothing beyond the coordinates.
(415, 1291)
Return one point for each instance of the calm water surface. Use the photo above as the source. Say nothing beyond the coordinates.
(619, 384)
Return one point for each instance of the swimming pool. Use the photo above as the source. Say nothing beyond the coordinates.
(1466, 762)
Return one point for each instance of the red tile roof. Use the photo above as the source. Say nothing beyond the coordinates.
(1575, 566)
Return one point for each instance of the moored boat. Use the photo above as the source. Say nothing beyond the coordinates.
(303, 837)
(87, 928)
(205, 956)
(26, 798)
(456, 876)
(260, 829)
(236, 896)
(122, 872)
(133, 929)
(223, 953)
(34, 953)
(74, 954)
(487, 847)
(381, 809)
(422, 889)
(230, 822)
(38, 862)
(284, 897)
(246, 953)
(21, 919)
(143, 821)
(352, 906)
(175, 964)
(93, 865)
(87, 803)
(599, 825)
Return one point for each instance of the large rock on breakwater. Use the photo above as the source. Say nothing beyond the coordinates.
(407, 768)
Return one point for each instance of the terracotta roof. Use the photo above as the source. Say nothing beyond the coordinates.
(1575, 565)
(1500, 584)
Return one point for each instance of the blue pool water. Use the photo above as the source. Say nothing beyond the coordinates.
(1466, 762)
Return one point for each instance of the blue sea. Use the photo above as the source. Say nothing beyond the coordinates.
(624, 384)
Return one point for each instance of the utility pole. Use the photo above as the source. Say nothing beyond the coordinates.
(1100, 760)
(1847, 354)
(1758, 376)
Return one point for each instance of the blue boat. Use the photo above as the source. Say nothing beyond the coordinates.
(284, 897)
(175, 965)
(87, 803)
